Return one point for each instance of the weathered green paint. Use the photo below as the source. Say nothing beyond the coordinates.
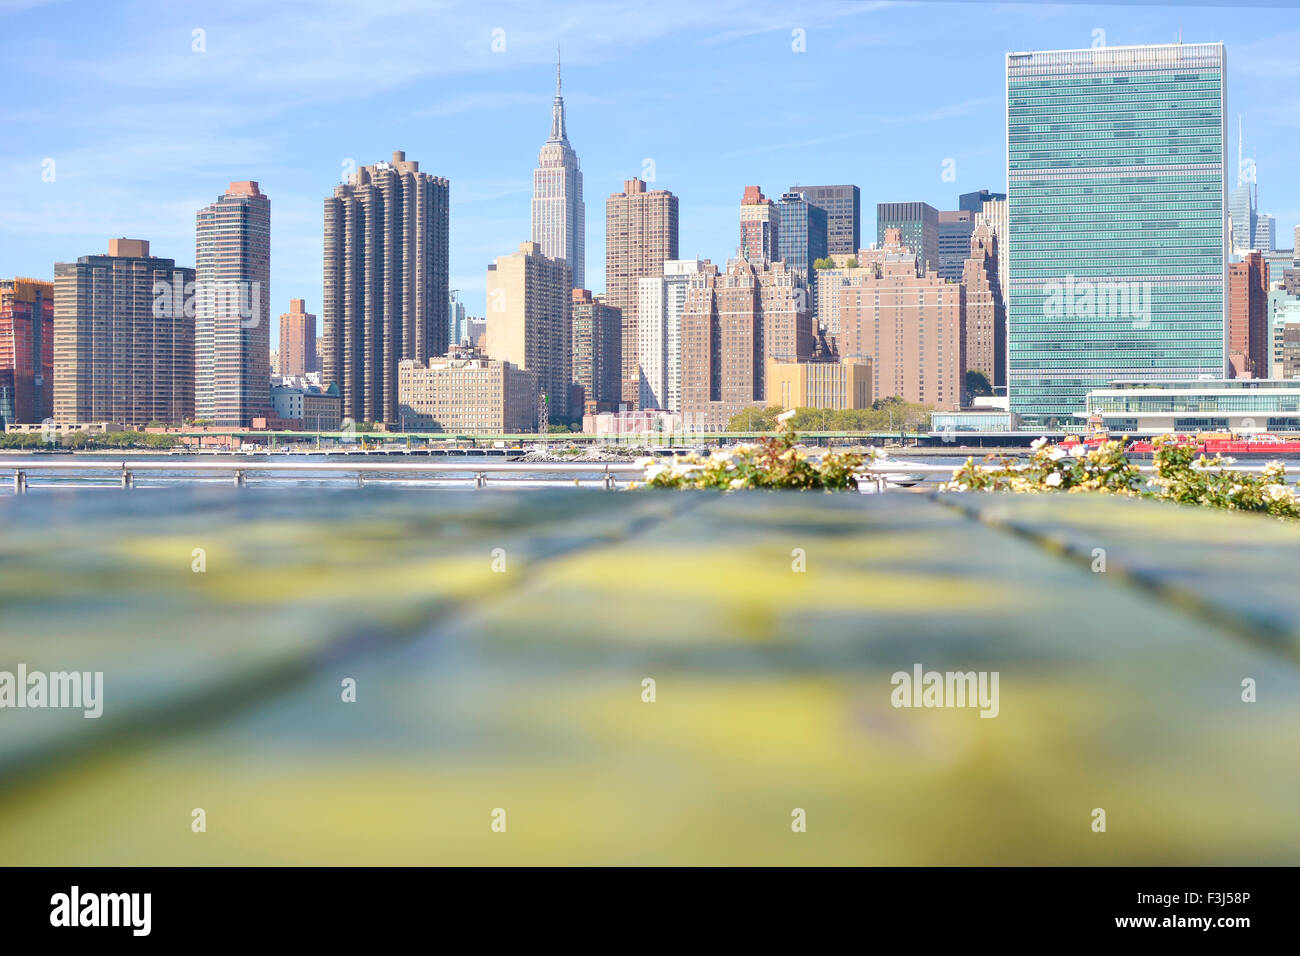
(522, 689)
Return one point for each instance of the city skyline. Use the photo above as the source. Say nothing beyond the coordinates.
(477, 118)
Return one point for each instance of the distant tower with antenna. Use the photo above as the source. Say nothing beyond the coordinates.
(559, 214)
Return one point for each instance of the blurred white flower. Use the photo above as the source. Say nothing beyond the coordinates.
(1053, 479)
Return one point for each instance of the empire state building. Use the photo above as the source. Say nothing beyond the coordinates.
(558, 210)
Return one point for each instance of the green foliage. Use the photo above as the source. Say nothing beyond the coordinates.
(851, 262)
(977, 383)
(122, 439)
(22, 440)
(1180, 475)
(770, 463)
(823, 263)
(888, 415)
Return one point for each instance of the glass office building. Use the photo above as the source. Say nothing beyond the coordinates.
(801, 233)
(1116, 218)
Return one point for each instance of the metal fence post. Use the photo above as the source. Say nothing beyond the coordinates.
(20, 482)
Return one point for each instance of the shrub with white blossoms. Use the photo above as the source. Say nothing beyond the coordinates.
(771, 463)
(1180, 475)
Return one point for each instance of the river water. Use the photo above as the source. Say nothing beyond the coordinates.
(88, 479)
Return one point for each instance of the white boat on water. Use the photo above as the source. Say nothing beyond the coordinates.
(868, 482)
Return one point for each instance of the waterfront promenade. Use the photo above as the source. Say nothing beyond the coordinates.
(500, 644)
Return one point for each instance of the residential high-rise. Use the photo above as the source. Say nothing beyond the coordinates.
(232, 307)
(760, 226)
(985, 325)
(297, 340)
(559, 214)
(1248, 332)
(732, 323)
(26, 351)
(994, 215)
(801, 234)
(660, 310)
(908, 322)
(1116, 239)
(529, 321)
(640, 236)
(386, 294)
(955, 228)
(597, 352)
(843, 205)
(826, 301)
(918, 222)
(123, 338)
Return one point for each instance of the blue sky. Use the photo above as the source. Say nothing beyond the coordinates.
(143, 130)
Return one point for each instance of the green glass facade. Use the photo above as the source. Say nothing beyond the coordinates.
(1116, 221)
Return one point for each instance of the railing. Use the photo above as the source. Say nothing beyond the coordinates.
(597, 474)
(476, 475)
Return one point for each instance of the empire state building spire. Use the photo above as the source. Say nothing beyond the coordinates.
(559, 213)
(558, 134)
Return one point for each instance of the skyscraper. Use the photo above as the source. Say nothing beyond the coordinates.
(908, 322)
(660, 317)
(918, 222)
(529, 321)
(232, 307)
(731, 325)
(457, 319)
(26, 351)
(974, 202)
(801, 234)
(1242, 218)
(597, 352)
(843, 205)
(1116, 221)
(640, 236)
(297, 340)
(559, 214)
(1264, 232)
(955, 228)
(123, 338)
(386, 295)
(1248, 346)
(994, 216)
(1243, 201)
(985, 319)
(759, 226)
